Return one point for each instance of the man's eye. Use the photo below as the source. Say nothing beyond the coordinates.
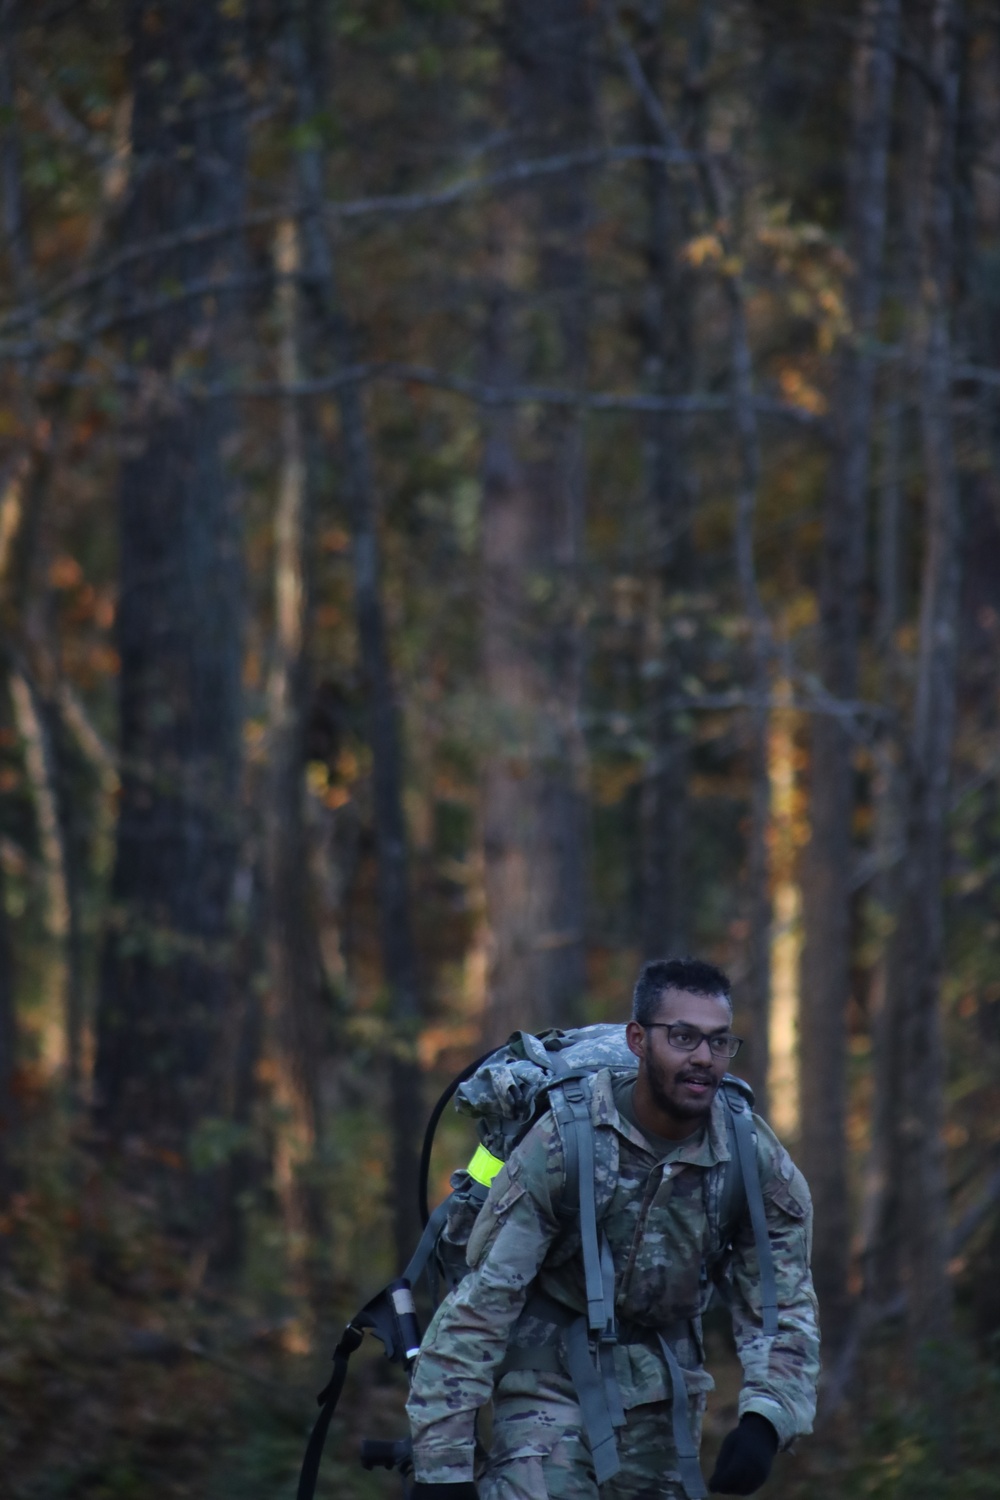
(682, 1038)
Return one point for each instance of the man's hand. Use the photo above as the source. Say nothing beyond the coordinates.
(745, 1457)
(463, 1490)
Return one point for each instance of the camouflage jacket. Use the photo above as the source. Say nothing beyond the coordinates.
(661, 1217)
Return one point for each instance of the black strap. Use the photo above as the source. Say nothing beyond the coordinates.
(422, 1254)
(327, 1398)
(733, 1198)
(609, 1338)
(547, 1357)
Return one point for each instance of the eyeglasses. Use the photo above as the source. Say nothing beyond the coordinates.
(689, 1039)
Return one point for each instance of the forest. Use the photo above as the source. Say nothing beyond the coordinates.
(490, 494)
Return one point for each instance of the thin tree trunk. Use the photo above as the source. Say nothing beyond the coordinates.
(16, 243)
(16, 526)
(293, 949)
(25, 599)
(879, 1239)
(533, 502)
(61, 1023)
(755, 991)
(12, 551)
(165, 974)
(828, 860)
(883, 1248)
(9, 1111)
(399, 961)
(668, 361)
(917, 950)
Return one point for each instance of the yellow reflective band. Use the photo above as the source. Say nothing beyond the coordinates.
(484, 1166)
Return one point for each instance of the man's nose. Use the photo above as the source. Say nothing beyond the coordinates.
(703, 1047)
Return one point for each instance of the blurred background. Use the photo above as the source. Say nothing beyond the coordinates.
(490, 493)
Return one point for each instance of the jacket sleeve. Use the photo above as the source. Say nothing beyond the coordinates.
(779, 1374)
(467, 1337)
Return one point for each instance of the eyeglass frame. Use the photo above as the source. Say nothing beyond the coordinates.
(703, 1036)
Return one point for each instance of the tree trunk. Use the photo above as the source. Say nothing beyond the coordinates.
(667, 333)
(533, 498)
(8, 1050)
(883, 1230)
(880, 1211)
(754, 993)
(17, 249)
(166, 961)
(917, 950)
(399, 961)
(297, 1011)
(62, 1018)
(828, 860)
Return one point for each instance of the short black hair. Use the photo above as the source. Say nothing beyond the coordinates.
(662, 974)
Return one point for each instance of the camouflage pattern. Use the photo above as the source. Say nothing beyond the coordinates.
(540, 1449)
(661, 1218)
(504, 1093)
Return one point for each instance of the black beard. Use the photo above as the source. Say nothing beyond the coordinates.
(671, 1107)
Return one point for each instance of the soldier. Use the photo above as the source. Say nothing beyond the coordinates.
(660, 1149)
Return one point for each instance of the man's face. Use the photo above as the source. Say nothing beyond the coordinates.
(682, 1084)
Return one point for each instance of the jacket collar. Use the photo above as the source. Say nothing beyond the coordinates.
(705, 1149)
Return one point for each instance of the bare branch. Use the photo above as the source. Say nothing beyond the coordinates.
(61, 121)
(401, 203)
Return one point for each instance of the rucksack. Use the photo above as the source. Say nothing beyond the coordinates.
(509, 1090)
(506, 1091)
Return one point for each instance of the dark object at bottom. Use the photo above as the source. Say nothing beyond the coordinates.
(381, 1453)
(465, 1490)
(745, 1457)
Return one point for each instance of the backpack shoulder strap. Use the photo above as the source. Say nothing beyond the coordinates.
(733, 1194)
(739, 1124)
(570, 1104)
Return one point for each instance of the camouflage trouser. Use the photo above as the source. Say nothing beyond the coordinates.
(540, 1452)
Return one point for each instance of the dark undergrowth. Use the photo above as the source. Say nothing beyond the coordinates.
(123, 1374)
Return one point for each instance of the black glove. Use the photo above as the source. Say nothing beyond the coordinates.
(745, 1457)
(435, 1490)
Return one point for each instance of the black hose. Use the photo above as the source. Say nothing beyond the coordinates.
(432, 1125)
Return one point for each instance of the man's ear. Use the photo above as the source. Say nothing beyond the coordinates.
(635, 1035)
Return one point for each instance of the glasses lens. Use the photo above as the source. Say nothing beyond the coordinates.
(683, 1037)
